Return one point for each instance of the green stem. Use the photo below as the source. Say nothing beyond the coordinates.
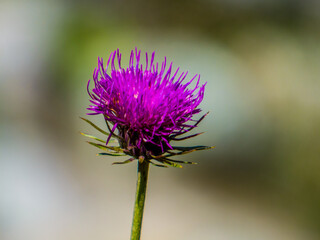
(143, 169)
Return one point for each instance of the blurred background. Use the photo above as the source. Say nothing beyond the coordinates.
(261, 61)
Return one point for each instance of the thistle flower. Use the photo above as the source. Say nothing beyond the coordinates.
(148, 106)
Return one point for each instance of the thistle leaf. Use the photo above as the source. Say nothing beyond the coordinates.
(124, 162)
(95, 126)
(185, 162)
(182, 150)
(172, 164)
(159, 156)
(116, 149)
(111, 154)
(186, 150)
(107, 148)
(93, 137)
(193, 148)
(104, 148)
(158, 165)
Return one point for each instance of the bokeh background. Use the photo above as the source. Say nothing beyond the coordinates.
(261, 61)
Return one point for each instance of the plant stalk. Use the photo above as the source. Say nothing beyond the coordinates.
(143, 169)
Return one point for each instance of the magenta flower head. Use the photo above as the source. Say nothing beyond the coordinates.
(145, 108)
(147, 105)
